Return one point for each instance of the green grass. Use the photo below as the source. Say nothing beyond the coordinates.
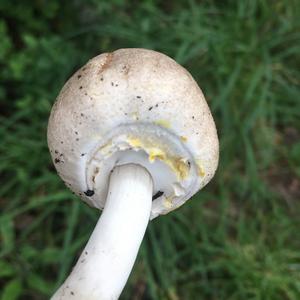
(239, 237)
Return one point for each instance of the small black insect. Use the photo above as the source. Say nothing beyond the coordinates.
(89, 193)
(157, 195)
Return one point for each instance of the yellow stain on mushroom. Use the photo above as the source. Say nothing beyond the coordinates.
(182, 168)
(168, 202)
(201, 171)
(179, 165)
(163, 123)
(135, 142)
(156, 153)
(183, 138)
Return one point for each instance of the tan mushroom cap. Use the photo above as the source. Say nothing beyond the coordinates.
(132, 101)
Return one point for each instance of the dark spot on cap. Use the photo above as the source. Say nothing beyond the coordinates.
(76, 132)
(57, 160)
(150, 107)
(112, 84)
(89, 193)
(156, 105)
(56, 152)
(80, 87)
(72, 293)
(82, 114)
(86, 253)
(77, 139)
(157, 195)
(78, 76)
(61, 142)
(139, 97)
(193, 117)
(82, 154)
(101, 78)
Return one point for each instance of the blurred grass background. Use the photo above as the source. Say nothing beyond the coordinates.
(239, 238)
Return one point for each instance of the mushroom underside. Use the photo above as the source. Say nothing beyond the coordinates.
(173, 169)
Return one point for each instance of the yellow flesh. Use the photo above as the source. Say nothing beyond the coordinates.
(177, 164)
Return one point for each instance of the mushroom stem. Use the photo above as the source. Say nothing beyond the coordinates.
(104, 265)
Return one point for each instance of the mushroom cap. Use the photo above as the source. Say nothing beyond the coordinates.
(133, 105)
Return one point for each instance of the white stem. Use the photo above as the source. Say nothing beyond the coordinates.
(104, 266)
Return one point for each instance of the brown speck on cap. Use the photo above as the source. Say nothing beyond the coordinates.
(105, 63)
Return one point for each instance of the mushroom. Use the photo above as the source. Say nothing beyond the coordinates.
(132, 134)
